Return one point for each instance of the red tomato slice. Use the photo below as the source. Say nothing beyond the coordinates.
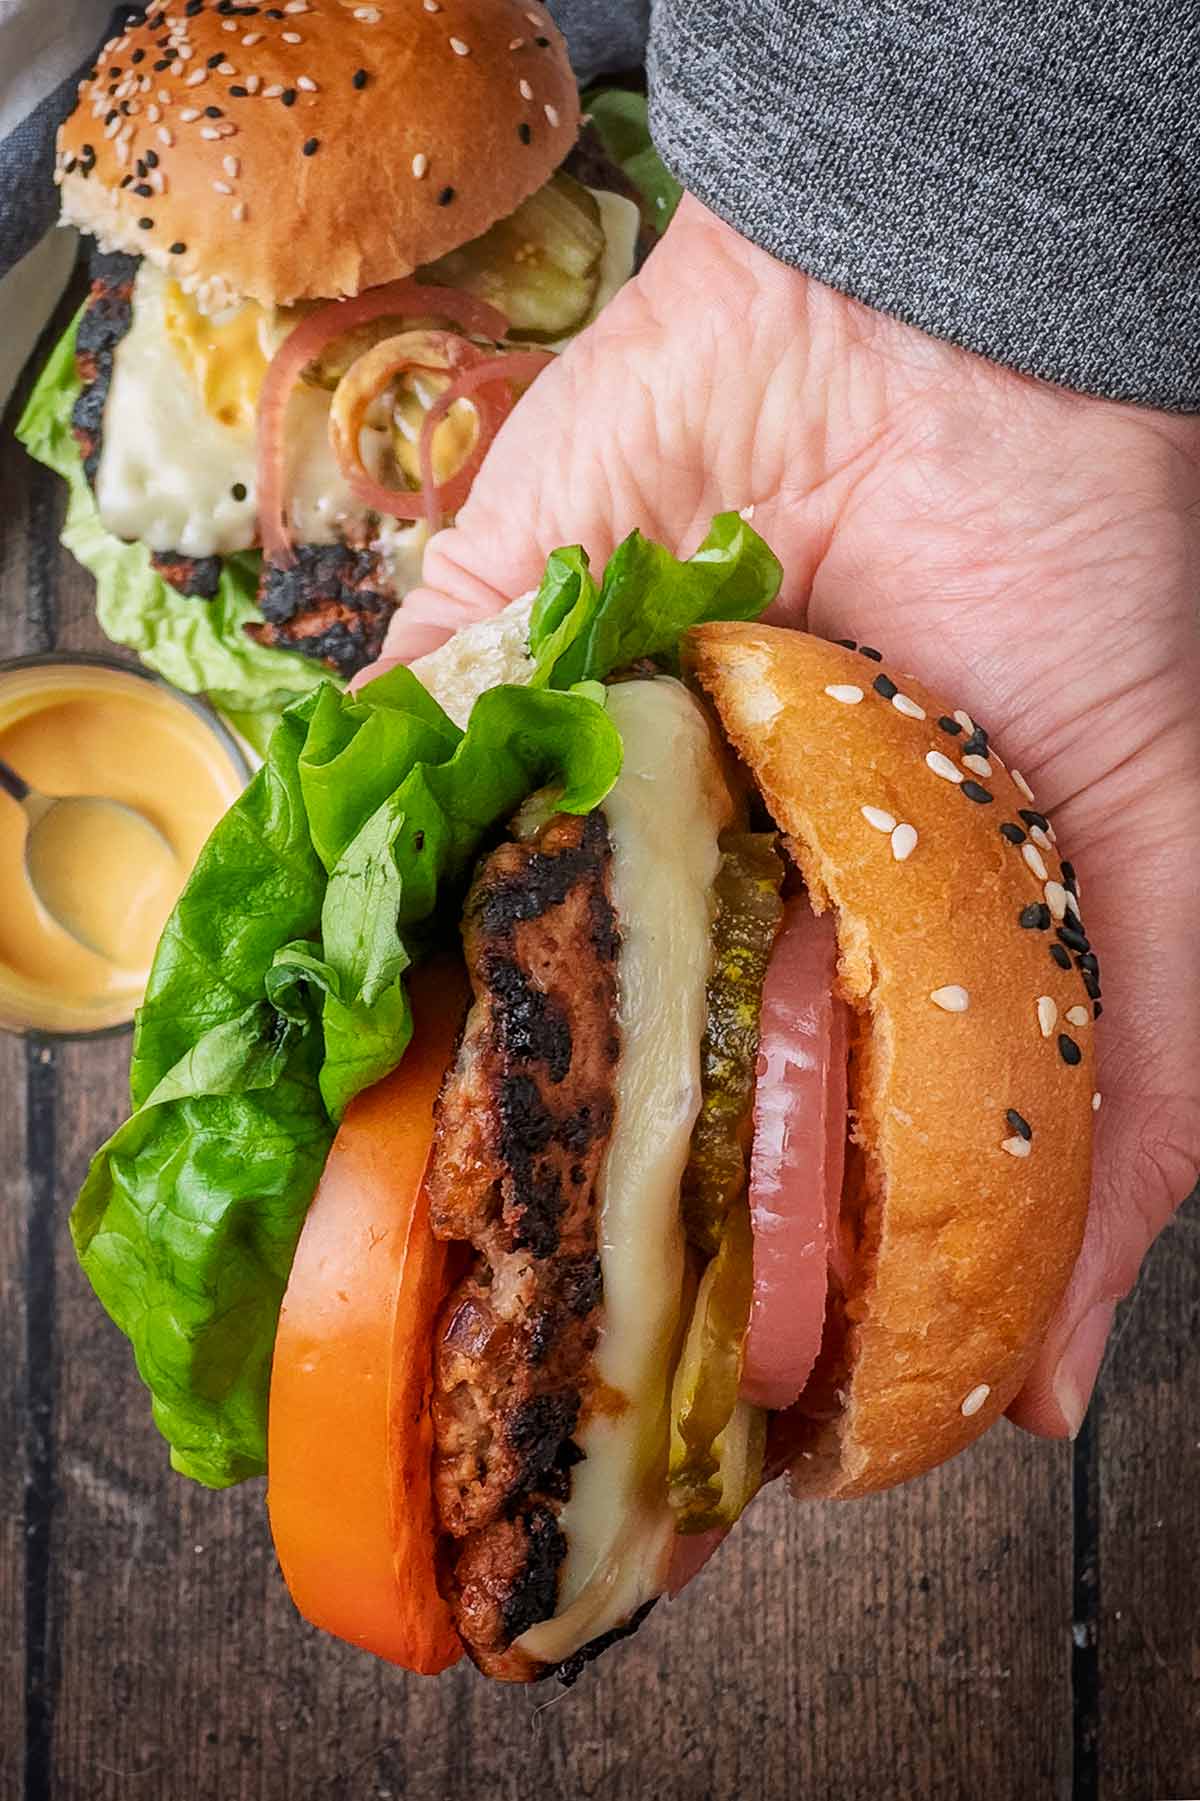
(797, 1156)
(350, 1493)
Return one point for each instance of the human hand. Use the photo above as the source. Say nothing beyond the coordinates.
(1033, 553)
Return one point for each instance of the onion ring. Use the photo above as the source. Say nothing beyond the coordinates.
(415, 299)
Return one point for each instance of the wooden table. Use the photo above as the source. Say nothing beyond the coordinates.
(1022, 1624)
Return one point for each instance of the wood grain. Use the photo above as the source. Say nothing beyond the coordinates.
(919, 1644)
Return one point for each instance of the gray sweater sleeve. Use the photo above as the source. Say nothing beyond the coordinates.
(1019, 176)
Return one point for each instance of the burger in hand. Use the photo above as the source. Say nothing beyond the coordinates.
(564, 1108)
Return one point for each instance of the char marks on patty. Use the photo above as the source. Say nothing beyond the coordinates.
(523, 1123)
(333, 604)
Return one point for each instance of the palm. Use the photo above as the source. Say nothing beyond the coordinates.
(1033, 554)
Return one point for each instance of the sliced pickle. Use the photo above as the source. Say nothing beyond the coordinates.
(716, 1440)
(540, 266)
(748, 911)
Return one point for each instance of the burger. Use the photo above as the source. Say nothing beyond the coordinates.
(276, 191)
(563, 1108)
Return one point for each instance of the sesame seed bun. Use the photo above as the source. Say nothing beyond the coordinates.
(969, 1228)
(314, 148)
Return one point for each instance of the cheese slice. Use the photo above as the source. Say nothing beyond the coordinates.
(665, 815)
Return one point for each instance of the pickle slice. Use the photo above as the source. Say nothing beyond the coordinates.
(748, 911)
(717, 1440)
(540, 266)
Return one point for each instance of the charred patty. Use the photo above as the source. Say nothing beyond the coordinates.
(523, 1124)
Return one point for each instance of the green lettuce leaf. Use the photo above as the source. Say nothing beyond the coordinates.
(645, 602)
(198, 645)
(275, 997)
(621, 118)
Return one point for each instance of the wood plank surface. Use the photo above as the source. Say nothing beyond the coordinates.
(918, 1645)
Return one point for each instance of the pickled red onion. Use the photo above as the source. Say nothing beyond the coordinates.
(797, 1156)
(401, 298)
(507, 367)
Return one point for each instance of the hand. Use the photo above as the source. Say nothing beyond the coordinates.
(1032, 553)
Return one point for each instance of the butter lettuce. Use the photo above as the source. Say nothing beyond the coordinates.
(621, 116)
(199, 645)
(277, 993)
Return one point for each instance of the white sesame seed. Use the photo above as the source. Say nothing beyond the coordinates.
(367, 15)
(253, 83)
(186, 53)
(307, 83)
(251, 37)
(975, 1399)
(551, 113)
(941, 765)
(420, 165)
(221, 187)
(1096, 1102)
(189, 113)
(301, 6)
(846, 692)
(977, 765)
(153, 113)
(164, 94)
(291, 37)
(1047, 1012)
(908, 707)
(112, 128)
(226, 130)
(1039, 837)
(1073, 907)
(1033, 857)
(122, 149)
(883, 822)
(165, 137)
(459, 48)
(232, 167)
(239, 211)
(433, 6)
(526, 91)
(226, 69)
(195, 78)
(229, 25)
(1056, 898)
(965, 720)
(904, 842)
(1022, 784)
(534, 18)
(144, 85)
(952, 999)
(1016, 1146)
(176, 67)
(273, 92)
(210, 132)
(1078, 1016)
(121, 44)
(516, 43)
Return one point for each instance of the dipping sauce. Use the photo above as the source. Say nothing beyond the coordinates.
(77, 728)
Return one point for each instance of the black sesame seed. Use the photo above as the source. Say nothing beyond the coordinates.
(238, 490)
(1068, 1050)
(288, 96)
(213, 112)
(1091, 985)
(1068, 875)
(1021, 1126)
(524, 133)
(217, 57)
(883, 684)
(847, 643)
(445, 197)
(979, 795)
(273, 12)
(359, 78)
(140, 167)
(164, 62)
(542, 43)
(126, 180)
(1013, 833)
(950, 725)
(109, 117)
(145, 224)
(193, 7)
(152, 159)
(239, 93)
(1097, 1009)
(1072, 938)
(866, 650)
(977, 744)
(88, 153)
(311, 146)
(114, 74)
(1060, 956)
(177, 249)
(144, 190)
(1035, 917)
(139, 56)
(68, 165)
(1032, 818)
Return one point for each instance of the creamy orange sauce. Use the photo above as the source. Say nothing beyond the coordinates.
(78, 730)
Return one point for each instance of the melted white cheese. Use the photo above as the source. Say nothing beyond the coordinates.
(665, 815)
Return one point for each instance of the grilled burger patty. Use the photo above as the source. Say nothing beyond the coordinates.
(523, 1123)
(334, 604)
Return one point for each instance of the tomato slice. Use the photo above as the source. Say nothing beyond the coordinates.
(350, 1443)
